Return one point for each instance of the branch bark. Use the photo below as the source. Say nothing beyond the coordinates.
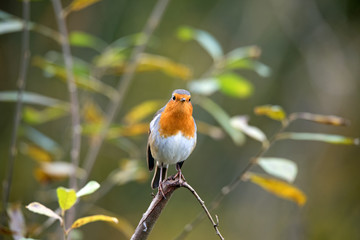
(158, 203)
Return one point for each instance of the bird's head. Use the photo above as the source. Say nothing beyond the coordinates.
(180, 103)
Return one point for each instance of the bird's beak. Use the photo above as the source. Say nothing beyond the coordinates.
(182, 100)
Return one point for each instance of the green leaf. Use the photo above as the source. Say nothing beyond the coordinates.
(328, 138)
(279, 167)
(43, 141)
(66, 197)
(272, 111)
(10, 26)
(241, 123)
(34, 116)
(82, 39)
(41, 209)
(204, 87)
(234, 85)
(89, 188)
(205, 39)
(223, 119)
(30, 98)
(250, 64)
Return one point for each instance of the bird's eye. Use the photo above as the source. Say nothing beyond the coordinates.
(189, 99)
(173, 98)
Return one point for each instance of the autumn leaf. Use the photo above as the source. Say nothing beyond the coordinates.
(279, 188)
(272, 111)
(85, 220)
(318, 118)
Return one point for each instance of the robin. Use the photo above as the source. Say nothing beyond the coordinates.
(172, 136)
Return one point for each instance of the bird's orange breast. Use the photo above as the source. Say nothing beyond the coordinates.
(177, 116)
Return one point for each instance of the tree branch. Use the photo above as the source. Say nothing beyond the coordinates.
(158, 203)
(25, 55)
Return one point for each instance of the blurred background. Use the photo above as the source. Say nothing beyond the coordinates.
(312, 48)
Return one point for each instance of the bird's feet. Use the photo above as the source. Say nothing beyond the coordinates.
(180, 177)
(161, 189)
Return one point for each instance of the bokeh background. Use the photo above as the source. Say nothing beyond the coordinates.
(313, 50)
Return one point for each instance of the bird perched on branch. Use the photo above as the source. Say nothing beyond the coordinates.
(172, 136)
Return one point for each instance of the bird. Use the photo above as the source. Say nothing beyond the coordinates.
(172, 137)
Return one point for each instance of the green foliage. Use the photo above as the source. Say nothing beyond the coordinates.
(67, 198)
(234, 85)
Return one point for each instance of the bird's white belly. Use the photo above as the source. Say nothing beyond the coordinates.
(173, 149)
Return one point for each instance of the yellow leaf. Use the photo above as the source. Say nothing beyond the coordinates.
(66, 197)
(77, 5)
(36, 153)
(149, 62)
(142, 111)
(93, 114)
(272, 111)
(133, 130)
(279, 188)
(85, 220)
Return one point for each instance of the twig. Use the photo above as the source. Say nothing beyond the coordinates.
(231, 186)
(25, 53)
(215, 225)
(74, 106)
(123, 85)
(158, 203)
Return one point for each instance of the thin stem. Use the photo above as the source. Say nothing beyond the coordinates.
(123, 85)
(231, 186)
(74, 106)
(215, 225)
(25, 53)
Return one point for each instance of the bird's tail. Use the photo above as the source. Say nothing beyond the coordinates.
(156, 179)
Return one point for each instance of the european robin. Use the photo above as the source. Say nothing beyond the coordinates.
(172, 136)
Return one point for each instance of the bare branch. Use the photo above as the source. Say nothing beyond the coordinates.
(74, 106)
(25, 55)
(153, 212)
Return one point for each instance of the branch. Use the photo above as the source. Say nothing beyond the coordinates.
(232, 185)
(25, 53)
(74, 106)
(151, 215)
(123, 85)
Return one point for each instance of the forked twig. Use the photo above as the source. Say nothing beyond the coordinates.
(158, 203)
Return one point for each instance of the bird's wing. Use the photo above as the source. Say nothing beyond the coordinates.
(150, 159)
